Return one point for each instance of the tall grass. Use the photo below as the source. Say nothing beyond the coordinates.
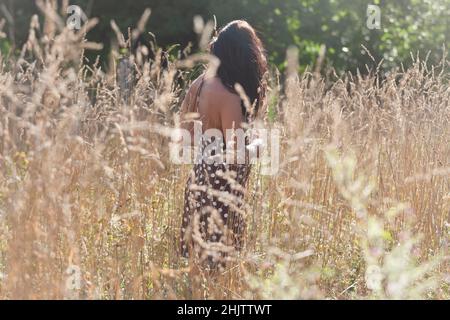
(90, 204)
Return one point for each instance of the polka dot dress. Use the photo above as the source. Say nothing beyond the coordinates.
(213, 219)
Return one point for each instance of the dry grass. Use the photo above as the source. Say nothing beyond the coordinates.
(90, 205)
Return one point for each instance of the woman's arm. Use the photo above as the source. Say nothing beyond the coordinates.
(186, 110)
(189, 114)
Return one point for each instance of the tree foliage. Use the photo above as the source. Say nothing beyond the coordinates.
(407, 26)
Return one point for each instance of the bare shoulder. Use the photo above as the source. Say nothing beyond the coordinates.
(193, 88)
(218, 95)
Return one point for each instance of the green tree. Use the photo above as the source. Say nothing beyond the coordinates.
(406, 26)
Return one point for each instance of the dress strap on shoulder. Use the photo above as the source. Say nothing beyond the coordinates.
(198, 93)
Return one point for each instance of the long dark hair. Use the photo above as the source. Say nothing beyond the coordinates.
(242, 60)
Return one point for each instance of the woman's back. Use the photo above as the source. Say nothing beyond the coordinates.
(215, 104)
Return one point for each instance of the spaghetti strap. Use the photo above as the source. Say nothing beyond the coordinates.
(198, 93)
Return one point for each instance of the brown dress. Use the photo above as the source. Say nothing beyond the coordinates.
(213, 219)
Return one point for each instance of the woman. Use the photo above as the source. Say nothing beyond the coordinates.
(213, 220)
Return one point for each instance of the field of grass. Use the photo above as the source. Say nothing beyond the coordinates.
(90, 203)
